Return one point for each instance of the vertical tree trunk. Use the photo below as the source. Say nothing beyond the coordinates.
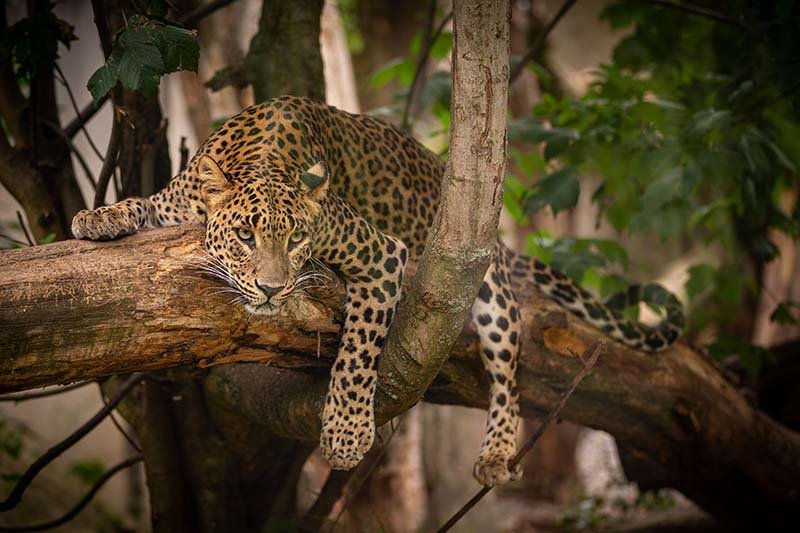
(284, 56)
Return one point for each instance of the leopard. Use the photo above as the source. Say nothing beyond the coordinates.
(293, 180)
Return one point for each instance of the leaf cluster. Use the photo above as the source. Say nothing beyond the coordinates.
(145, 50)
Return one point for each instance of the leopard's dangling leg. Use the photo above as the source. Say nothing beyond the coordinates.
(495, 314)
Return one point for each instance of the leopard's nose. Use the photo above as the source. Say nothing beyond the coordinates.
(270, 290)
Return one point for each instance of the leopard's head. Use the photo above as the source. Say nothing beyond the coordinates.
(259, 231)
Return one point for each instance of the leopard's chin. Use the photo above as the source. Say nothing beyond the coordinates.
(264, 309)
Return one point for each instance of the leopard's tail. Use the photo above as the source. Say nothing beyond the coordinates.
(606, 317)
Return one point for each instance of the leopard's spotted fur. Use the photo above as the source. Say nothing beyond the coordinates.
(293, 179)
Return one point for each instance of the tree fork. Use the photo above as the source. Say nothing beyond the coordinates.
(78, 310)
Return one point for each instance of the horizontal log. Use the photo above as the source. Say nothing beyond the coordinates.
(78, 310)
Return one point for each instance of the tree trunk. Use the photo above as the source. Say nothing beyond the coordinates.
(77, 310)
(284, 56)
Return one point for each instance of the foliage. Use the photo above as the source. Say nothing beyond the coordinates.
(693, 133)
(145, 50)
(435, 94)
(88, 471)
(10, 441)
(32, 43)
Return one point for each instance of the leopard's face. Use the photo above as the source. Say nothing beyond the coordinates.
(259, 235)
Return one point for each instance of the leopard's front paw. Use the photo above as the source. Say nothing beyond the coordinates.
(345, 437)
(493, 470)
(103, 223)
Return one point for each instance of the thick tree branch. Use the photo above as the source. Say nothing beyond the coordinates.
(77, 310)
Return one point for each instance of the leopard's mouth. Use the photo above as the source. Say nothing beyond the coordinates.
(263, 309)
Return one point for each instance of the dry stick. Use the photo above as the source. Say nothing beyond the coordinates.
(539, 42)
(42, 394)
(83, 117)
(191, 18)
(15, 241)
(84, 165)
(28, 237)
(422, 60)
(697, 10)
(549, 419)
(81, 504)
(26, 479)
(110, 162)
(119, 427)
(364, 470)
(63, 81)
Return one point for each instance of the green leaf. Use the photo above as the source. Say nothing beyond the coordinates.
(10, 442)
(559, 190)
(386, 73)
(178, 47)
(142, 53)
(442, 45)
(104, 79)
(47, 239)
(556, 146)
(782, 315)
(701, 278)
(141, 64)
(88, 471)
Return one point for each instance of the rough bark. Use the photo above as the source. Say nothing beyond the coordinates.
(284, 56)
(77, 310)
(457, 253)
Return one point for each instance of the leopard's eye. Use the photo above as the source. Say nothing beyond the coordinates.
(296, 238)
(244, 234)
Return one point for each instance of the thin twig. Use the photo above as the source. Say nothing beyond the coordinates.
(128, 437)
(12, 239)
(110, 162)
(85, 166)
(84, 116)
(16, 493)
(21, 397)
(539, 42)
(192, 18)
(528, 446)
(72, 513)
(364, 470)
(698, 10)
(24, 229)
(421, 63)
(63, 81)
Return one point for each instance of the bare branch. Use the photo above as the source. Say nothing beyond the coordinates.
(78, 155)
(72, 513)
(698, 10)
(84, 116)
(193, 18)
(430, 38)
(63, 80)
(110, 160)
(540, 40)
(45, 393)
(16, 493)
(24, 229)
(531, 442)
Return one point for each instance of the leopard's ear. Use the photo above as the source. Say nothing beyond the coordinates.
(213, 182)
(315, 181)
